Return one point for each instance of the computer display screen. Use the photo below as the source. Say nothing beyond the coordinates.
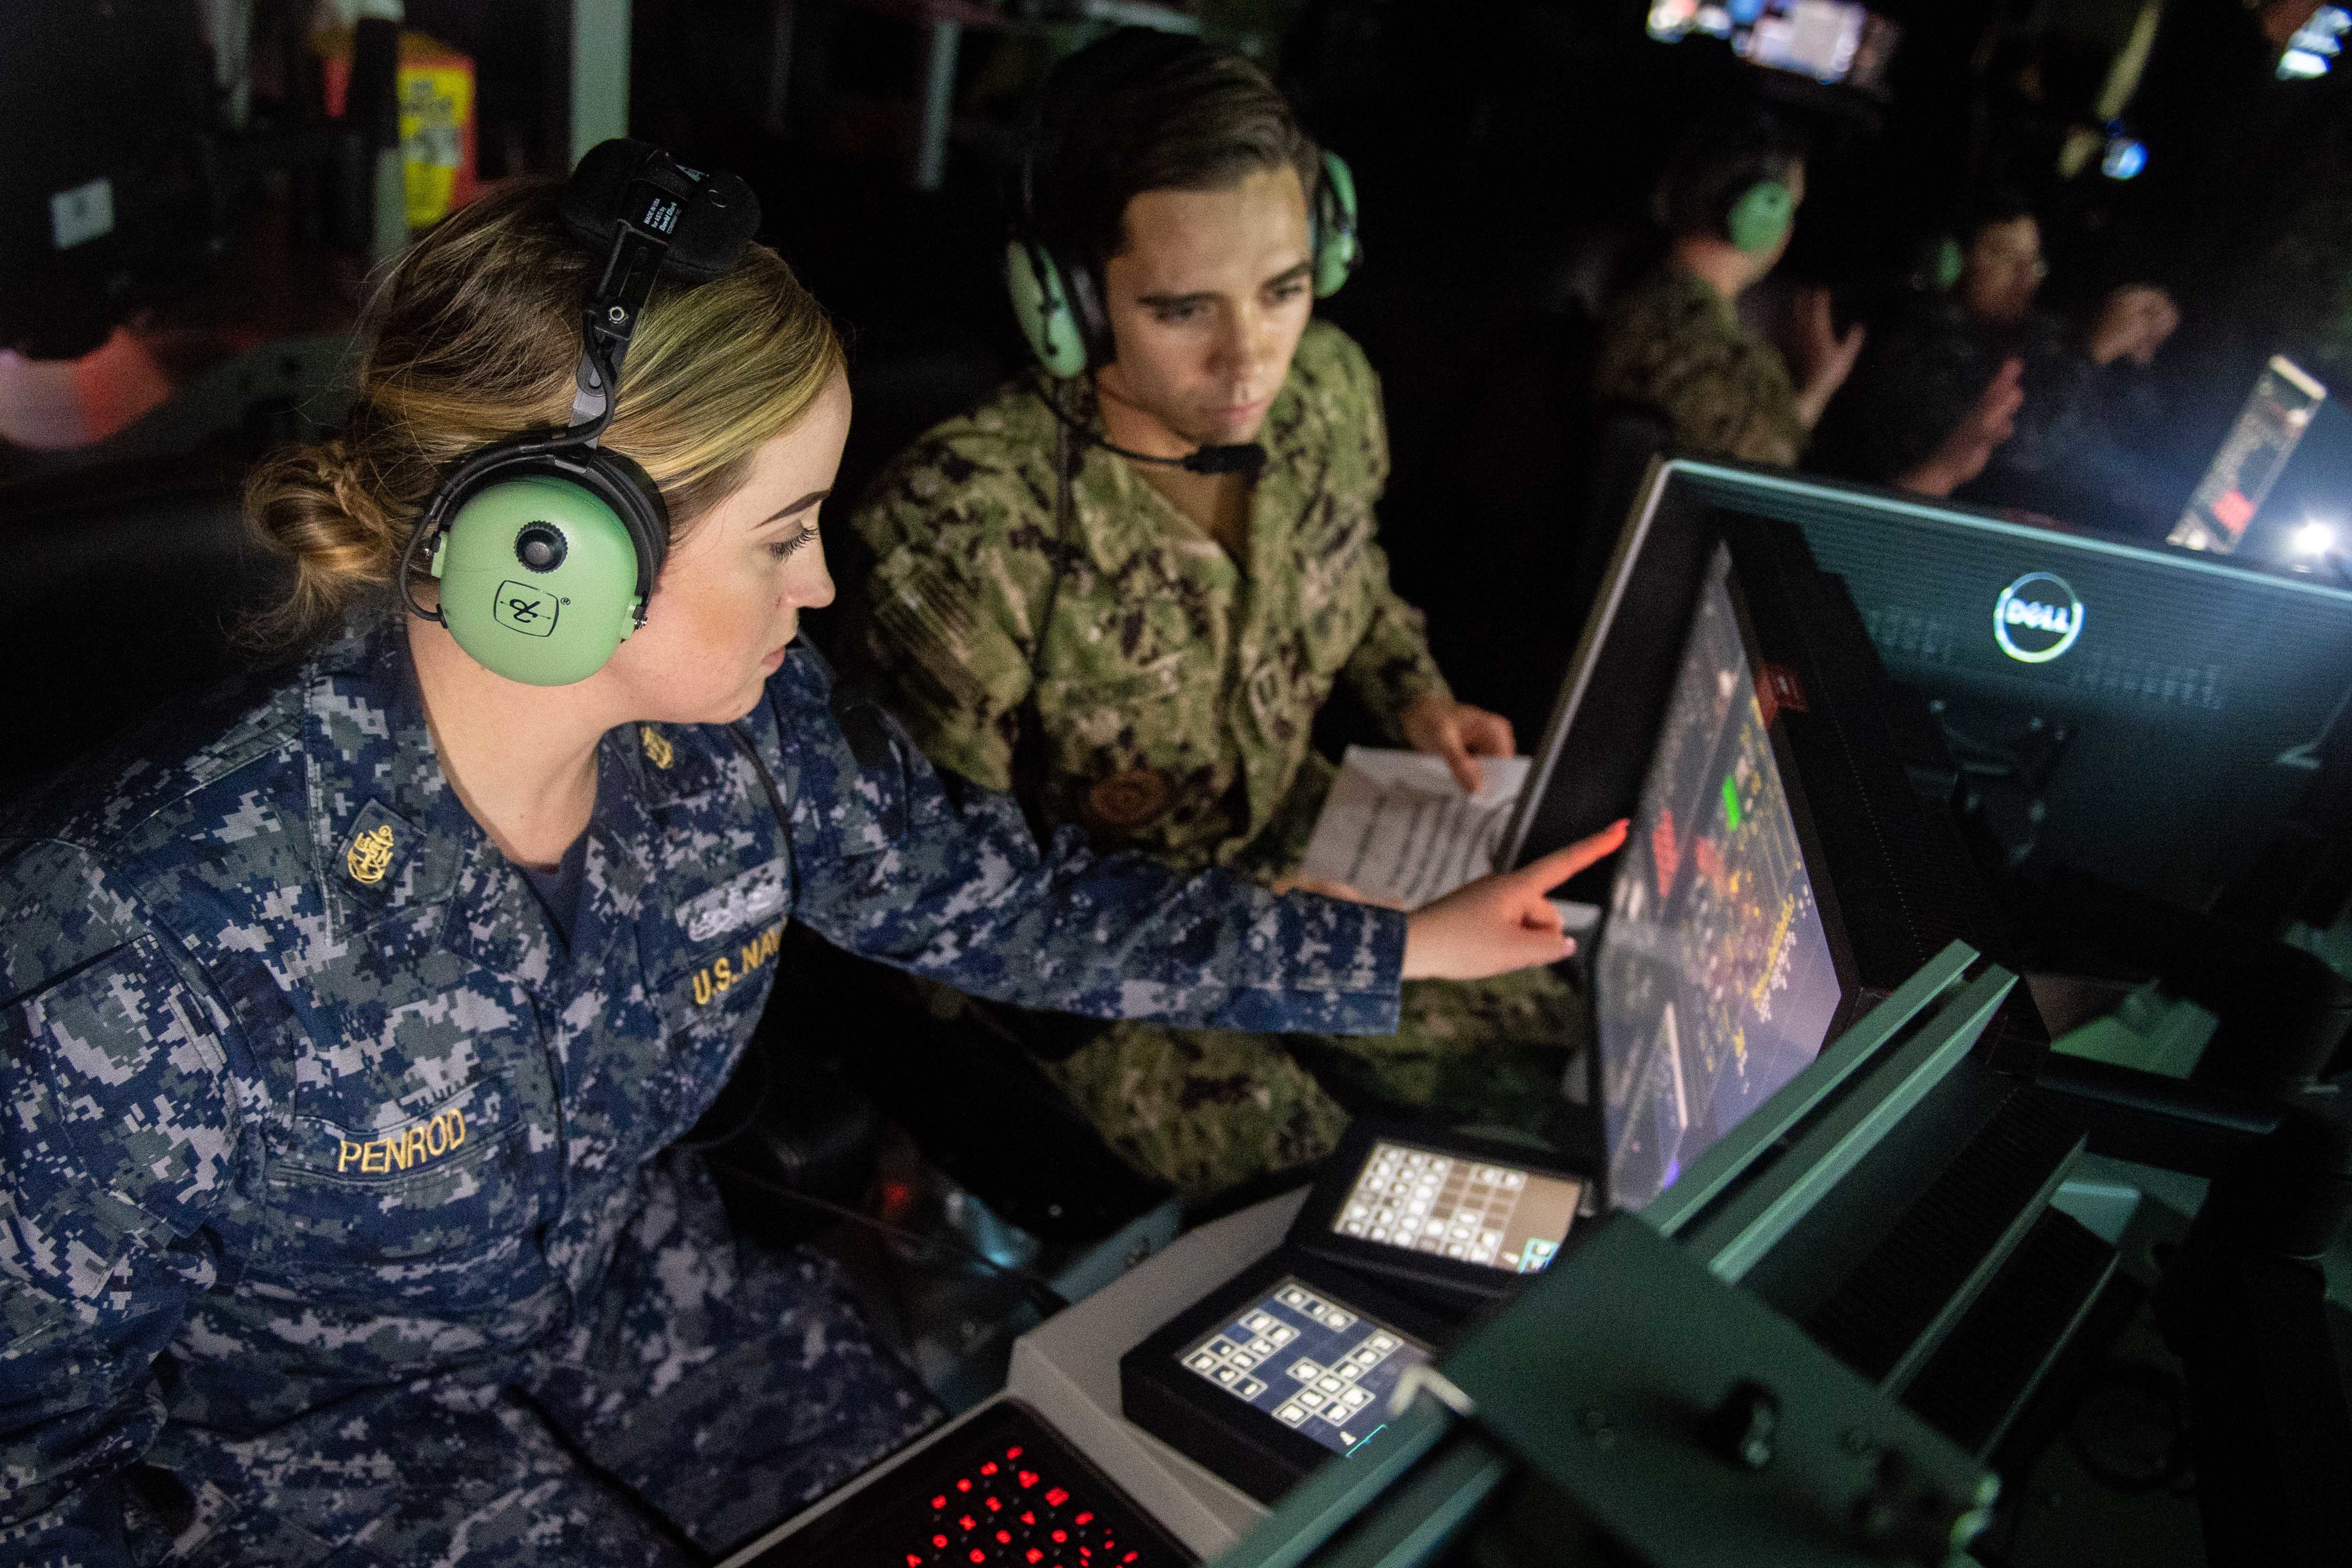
(1828, 40)
(1450, 1206)
(1315, 1364)
(1714, 983)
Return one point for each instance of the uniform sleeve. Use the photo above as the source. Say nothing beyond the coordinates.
(945, 634)
(1392, 667)
(116, 1148)
(939, 878)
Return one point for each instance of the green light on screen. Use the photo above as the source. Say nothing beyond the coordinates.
(1730, 803)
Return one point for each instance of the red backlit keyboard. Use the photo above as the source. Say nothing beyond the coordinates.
(1003, 1489)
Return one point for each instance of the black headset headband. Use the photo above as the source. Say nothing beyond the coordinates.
(647, 215)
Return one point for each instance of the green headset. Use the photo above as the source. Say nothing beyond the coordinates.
(1059, 300)
(546, 545)
(1759, 216)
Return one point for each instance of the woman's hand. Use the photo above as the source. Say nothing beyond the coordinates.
(1502, 922)
(1440, 727)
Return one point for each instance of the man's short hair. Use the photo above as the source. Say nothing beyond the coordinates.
(1144, 111)
(1718, 160)
(1989, 209)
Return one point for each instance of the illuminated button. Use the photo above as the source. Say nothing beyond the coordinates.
(1380, 1233)
(1353, 1228)
(994, 1506)
(1084, 1519)
(1356, 1398)
(1056, 1498)
(1204, 1361)
(978, 1555)
(1456, 1249)
(1004, 1538)
(940, 1502)
(964, 1485)
(1330, 1383)
(1348, 1372)
(941, 1541)
(988, 1469)
(1262, 1347)
(1291, 1415)
(1382, 1343)
(1033, 1555)
(1294, 1297)
(1027, 1478)
(1243, 1360)
(1306, 1370)
(1249, 1388)
(967, 1522)
(1227, 1375)
(1281, 1334)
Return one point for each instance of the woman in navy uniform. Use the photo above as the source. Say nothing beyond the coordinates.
(347, 1021)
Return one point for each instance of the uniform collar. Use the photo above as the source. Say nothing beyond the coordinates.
(1115, 513)
(393, 839)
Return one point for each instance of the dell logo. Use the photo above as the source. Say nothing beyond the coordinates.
(2037, 618)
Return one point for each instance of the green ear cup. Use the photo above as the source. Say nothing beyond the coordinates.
(539, 581)
(1042, 304)
(1945, 267)
(1760, 216)
(1336, 248)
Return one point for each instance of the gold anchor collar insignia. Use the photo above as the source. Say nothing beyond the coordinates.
(372, 855)
(659, 750)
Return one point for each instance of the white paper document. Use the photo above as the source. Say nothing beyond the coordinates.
(1398, 829)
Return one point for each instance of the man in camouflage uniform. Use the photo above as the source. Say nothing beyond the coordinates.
(1674, 344)
(1046, 619)
(340, 1223)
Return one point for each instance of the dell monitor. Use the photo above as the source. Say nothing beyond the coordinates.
(2151, 716)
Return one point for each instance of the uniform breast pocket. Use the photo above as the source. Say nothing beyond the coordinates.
(429, 1207)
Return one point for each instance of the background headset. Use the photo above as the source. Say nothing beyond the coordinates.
(546, 545)
(1058, 297)
(1730, 176)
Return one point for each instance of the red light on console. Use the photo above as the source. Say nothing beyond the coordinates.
(939, 1541)
(941, 1500)
(988, 1469)
(1013, 1452)
(978, 1555)
(1085, 1518)
(1056, 1498)
(964, 1485)
(1035, 1555)
(1027, 1478)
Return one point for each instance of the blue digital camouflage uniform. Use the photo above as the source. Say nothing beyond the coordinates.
(338, 1225)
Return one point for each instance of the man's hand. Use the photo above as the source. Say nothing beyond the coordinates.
(1822, 359)
(1986, 425)
(1502, 922)
(1440, 727)
(2133, 324)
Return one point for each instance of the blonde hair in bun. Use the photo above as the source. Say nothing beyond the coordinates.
(475, 335)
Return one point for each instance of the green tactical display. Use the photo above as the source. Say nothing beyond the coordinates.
(1760, 216)
(539, 581)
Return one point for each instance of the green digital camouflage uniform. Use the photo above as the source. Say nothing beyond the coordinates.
(1172, 700)
(1675, 345)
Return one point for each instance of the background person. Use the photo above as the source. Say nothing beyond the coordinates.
(352, 1018)
(1674, 344)
(2084, 399)
(1139, 649)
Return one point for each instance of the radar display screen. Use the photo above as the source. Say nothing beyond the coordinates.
(1452, 1206)
(1317, 1366)
(1714, 982)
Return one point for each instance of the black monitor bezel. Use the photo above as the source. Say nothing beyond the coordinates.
(1262, 1457)
(1458, 1283)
